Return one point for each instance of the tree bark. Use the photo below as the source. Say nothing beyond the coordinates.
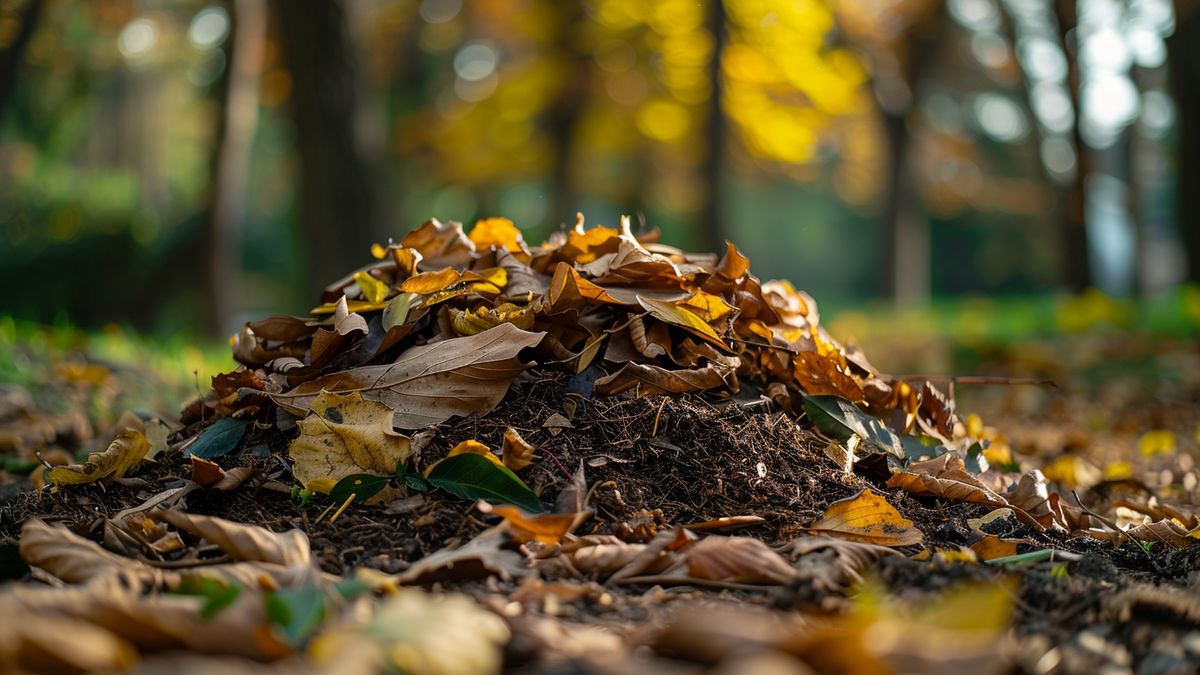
(1076, 266)
(235, 133)
(905, 242)
(1183, 54)
(10, 59)
(336, 204)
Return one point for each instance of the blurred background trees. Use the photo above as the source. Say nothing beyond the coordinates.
(185, 164)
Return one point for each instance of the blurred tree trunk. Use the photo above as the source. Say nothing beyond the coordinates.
(235, 132)
(335, 205)
(711, 234)
(1076, 266)
(905, 244)
(10, 58)
(564, 116)
(1183, 54)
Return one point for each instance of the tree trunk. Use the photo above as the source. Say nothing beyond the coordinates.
(335, 201)
(235, 133)
(711, 233)
(10, 59)
(1183, 53)
(1076, 266)
(905, 242)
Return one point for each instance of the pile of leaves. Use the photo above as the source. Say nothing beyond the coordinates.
(614, 355)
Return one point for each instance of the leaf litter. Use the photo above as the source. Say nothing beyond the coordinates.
(699, 398)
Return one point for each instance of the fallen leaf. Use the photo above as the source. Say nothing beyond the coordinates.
(545, 528)
(991, 547)
(218, 438)
(481, 557)
(736, 559)
(683, 318)
(868, 518)
(344, 435)
(947, 477)
(126, 450)
(430, 384)
(650, 379)
(517, 453)
(473, 477)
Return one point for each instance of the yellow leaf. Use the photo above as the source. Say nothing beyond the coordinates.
(1157, 442)
(991, 547)
(868, 518)
(1118, 471)
(547, 528)
(127, 449)
(499, 232)
(518, 453)
(428, 282)
(707, 307)
(341, 435)
(351, 306)
(374, 290)
(470, 322)
(679, 316)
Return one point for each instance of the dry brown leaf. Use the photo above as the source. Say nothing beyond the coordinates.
(36, 643)
(517, 453)
(735, 559)
(725, 523)
(650, 379)
(832, 564)
(947, 477)
(344, 435)
(868, 518)
(1168, 532)
(481, 557)
(440, 243)
(73, 559)
(430, 384)
(153, 622)
(243, 543)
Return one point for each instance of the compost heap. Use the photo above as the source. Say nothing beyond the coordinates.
(378, 399)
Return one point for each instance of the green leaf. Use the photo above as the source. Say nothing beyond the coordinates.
(473, 477)
(838, 418)
(218, 439)
(362, 485)
(416, 483)
(396, 312)
(298, 611)
(217, 594)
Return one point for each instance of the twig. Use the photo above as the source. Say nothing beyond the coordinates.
(654, 429)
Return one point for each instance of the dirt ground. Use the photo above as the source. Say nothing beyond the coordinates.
(673, 460)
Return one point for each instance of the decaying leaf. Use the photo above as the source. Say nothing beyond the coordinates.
(432, 383)
(868, 518)
(134, 441)
(481, 557)
(947, 477)
(344, 434)
(517, 453)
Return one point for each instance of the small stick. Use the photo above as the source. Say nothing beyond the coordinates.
(345, 504)
(761, 344)
(980, 379)
(654, 429)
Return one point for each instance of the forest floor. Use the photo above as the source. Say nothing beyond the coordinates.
(1125, 414)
